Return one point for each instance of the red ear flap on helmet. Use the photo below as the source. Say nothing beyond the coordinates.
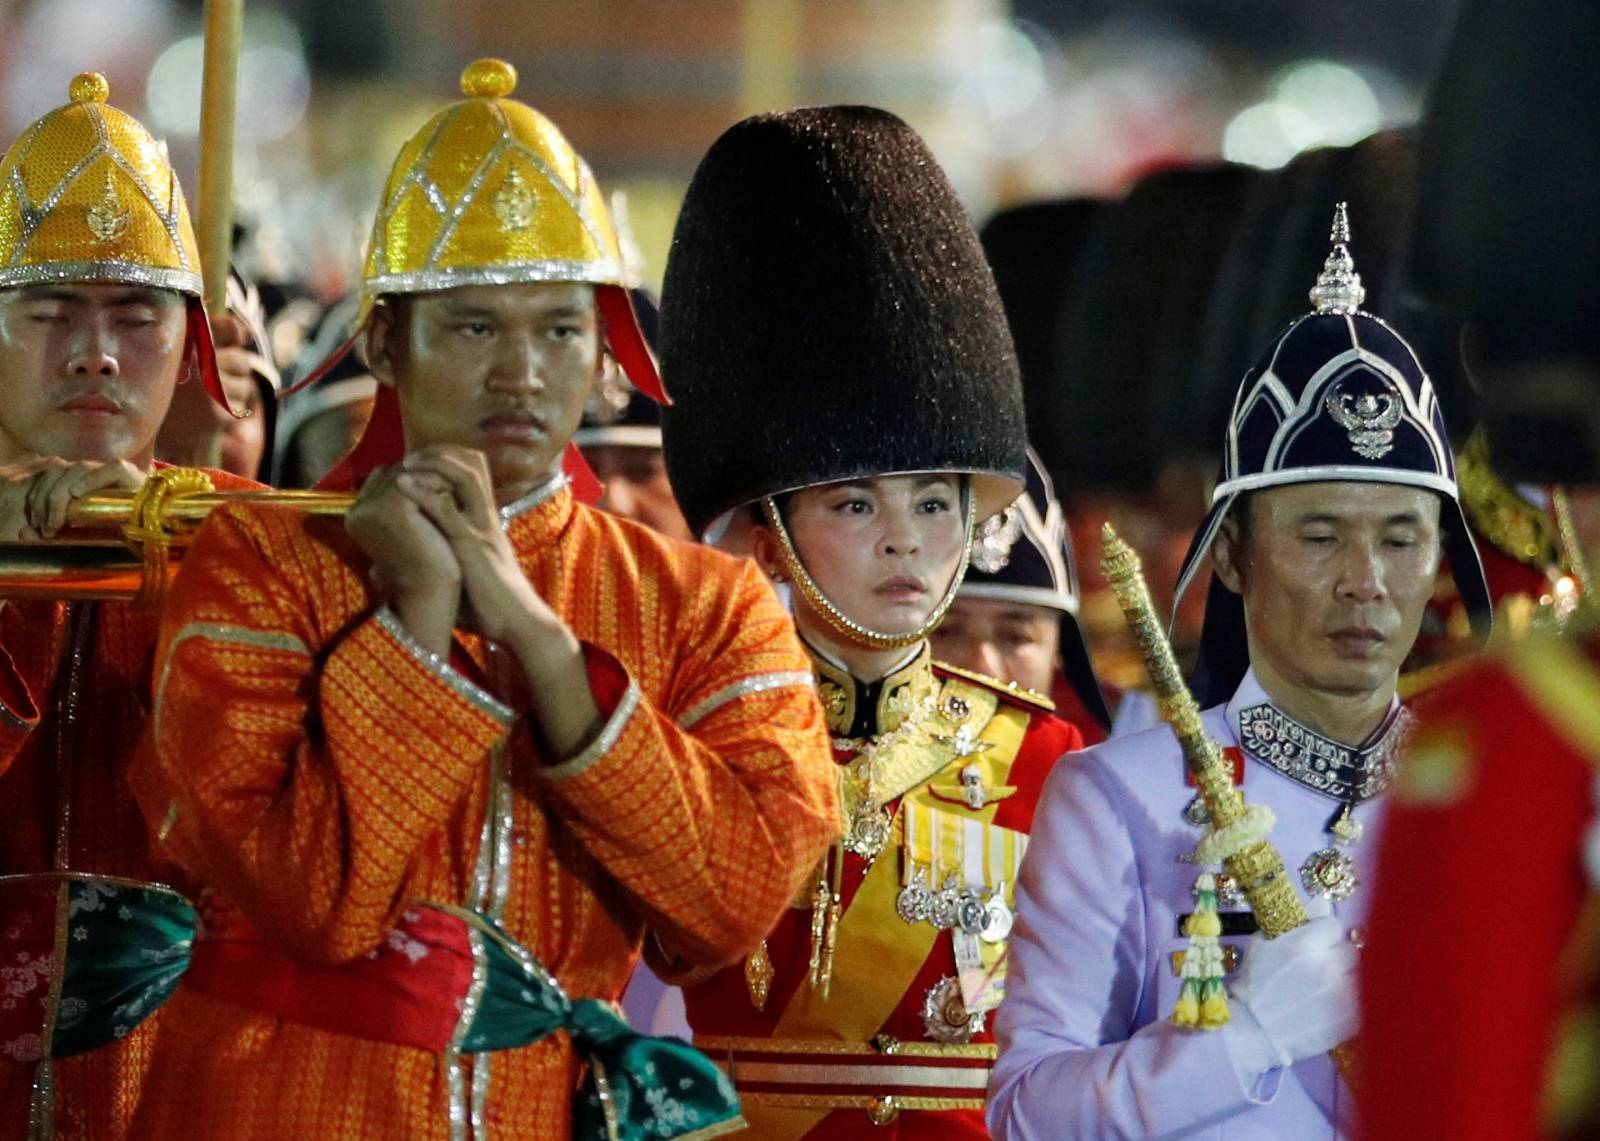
(202, 352)
(382, 442)
(627, 342)
(586, 486)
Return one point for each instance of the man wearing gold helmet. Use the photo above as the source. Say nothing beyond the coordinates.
(100, 318)
(478, 736)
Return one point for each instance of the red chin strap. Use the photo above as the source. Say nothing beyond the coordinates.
(383, 442)
(627, 342)
(202, 352)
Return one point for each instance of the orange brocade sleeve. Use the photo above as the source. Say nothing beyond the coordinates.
(302, 779)
(712, 813)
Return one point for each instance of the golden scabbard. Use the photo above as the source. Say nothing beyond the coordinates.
(1258, 869)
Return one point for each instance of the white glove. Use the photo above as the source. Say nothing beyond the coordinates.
(1295, 996)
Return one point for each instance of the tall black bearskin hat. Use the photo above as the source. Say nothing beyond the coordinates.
(1024, 554)
(1338, 397)
(1510, 240)
(1103, 422)
(1034, 250)
(827, 314)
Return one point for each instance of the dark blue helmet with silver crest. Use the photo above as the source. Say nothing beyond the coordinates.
(1340, 396)
(1024, 554)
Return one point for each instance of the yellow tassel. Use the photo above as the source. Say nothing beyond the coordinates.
(1202, 1000)
(1214, 1011)
(1186, 1012)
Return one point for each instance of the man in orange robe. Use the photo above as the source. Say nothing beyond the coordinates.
(100, 318)
(473, 701)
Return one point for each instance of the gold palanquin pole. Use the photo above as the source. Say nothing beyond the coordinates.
(124, 545)
(224, 20)
(114, 510)
(1255, 865)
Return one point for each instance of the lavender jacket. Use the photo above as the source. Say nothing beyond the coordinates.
(1086, 1050)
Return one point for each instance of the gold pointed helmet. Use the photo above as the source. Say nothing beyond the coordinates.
(490, 192)
(87, 195)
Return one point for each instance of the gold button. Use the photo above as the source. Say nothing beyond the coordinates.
(489, 79)
(89, 87)
(883, 1110)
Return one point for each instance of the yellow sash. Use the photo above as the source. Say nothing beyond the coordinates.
(877, 954)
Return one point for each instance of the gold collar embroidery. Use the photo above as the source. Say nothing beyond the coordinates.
(899, 695)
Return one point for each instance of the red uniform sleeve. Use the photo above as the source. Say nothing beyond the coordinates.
(1479, 886)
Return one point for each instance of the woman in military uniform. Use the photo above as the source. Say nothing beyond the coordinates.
(846, 395)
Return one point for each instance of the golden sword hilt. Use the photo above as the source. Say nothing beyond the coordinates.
(1258, 868)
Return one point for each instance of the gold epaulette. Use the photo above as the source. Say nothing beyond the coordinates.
(1005, 690)
(1514, 526)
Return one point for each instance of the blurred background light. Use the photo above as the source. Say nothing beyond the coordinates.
(1336, 98)
(1005, 91)
(1313, 103)
(274, 83)
(45, 44)
(1269, 134)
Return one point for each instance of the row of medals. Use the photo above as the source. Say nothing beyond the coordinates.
(953, 907)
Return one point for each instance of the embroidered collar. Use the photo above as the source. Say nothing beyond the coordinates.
(532, 500)
(1271, 736)
(861, 709)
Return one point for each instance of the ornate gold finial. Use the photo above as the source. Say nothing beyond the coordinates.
(89, 87)
(489, 79)
(1339, 288)
(513, 203)
(108, 217)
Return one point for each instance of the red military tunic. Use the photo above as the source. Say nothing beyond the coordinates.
(1466, 995)
(74, 694)
(878, 1057)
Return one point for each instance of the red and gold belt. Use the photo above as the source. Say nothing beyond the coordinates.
(880, 1076)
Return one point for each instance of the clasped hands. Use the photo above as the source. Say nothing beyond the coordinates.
(433, 531)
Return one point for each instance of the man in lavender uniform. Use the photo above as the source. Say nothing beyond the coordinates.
(1336, 501)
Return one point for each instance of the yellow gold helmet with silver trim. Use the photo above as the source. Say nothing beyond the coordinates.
(489, 192)
(87, 195)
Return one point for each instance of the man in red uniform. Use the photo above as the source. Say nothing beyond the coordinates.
(100, 319)
(842, 372)
(476, 740)
(1481, 978)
